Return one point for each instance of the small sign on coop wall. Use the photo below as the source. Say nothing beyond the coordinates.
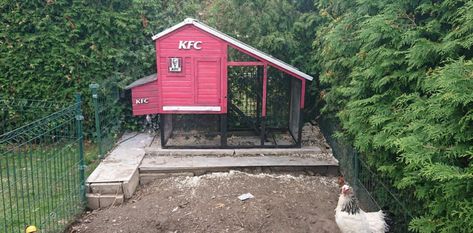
(141, 101)
(175, 64)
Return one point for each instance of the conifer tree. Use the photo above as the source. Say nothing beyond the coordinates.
(399, 78)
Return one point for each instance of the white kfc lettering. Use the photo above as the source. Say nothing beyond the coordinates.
(141, 101)
(197, 45)
(182, 44)
(189, 44)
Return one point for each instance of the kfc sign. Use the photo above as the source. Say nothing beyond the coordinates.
(141, 101)
(190, 44)
(175, 64)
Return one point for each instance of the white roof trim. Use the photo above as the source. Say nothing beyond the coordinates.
(234, 42)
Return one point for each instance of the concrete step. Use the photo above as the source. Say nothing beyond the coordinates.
(116, 177)
(105, 188)
(97, 201)
(153, 167)
(157, 151)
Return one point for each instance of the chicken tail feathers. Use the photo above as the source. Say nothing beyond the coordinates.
(377, 222)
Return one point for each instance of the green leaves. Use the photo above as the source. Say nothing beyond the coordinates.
(406, 92)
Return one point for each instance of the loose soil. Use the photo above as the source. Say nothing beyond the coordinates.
(209, 203)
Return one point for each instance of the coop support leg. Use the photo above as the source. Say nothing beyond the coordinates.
(299, 133)
(223, 130)
(161, 129)
(263, 110)
(263, 130)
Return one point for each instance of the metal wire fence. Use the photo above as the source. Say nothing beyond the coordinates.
(18, 112)
(374, 190)
(41, 164)
(108, 116)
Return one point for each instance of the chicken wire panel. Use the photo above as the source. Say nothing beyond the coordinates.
(295, 107)
(245, 120)
(373, 190)
(166, 126)
(376, 192)
(244, 97)
(278, 107)
(278, 97)
(186, 130)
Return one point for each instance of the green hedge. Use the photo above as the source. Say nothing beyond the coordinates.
(399, 75)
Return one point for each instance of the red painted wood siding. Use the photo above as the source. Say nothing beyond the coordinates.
(147, 91)
(203, 79)
(207, 79)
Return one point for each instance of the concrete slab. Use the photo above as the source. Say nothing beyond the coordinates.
(157, 151)
(93, 201)
(97, 201)
(279, 151)
(117, 175)
(106, 188)
(130, 186)
(158, 164)
(121, 164)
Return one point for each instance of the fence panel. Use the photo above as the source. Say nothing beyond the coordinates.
(373, 190)
(41, 169)
(107, 114)
(18, 112)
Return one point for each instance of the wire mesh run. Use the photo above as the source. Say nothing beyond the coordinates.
(196, 130)
(248, 123)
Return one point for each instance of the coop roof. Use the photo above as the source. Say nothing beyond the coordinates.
(273, 61)
(142, 81)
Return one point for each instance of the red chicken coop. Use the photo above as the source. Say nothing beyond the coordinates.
(214, 91)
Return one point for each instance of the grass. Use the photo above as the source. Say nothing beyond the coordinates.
(40, 181)
(40, 185)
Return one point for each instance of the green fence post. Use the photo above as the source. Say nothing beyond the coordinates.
(80, 136)
(95, 96)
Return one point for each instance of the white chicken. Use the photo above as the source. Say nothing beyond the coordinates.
(351, 219)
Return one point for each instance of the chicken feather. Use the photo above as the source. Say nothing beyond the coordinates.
(350, 218)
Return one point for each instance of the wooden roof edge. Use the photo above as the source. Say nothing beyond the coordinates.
(142, 81)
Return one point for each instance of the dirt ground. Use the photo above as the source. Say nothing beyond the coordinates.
(209, 203)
